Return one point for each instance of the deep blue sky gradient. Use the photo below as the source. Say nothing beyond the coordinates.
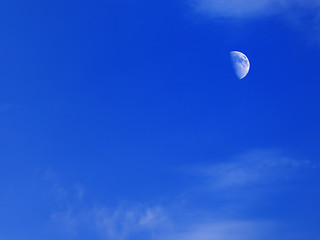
(118, 98)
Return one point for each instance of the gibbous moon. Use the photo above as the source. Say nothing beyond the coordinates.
(240, 63)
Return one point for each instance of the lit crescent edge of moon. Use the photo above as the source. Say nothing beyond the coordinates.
(241, 64)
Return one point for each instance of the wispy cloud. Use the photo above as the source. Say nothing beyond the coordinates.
(224, 230)
(119, 223)
(184, 217)
(302, 14)
(123, 223)
(157, 223)
(76, 216)
(238, 8)
(226, 184)
(261, 167)
(250, 8)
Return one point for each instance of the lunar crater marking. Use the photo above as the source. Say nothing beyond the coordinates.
(241, 64)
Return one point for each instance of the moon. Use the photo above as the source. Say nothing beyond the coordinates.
(240, 63)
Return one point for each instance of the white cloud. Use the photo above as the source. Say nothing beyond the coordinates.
(250, 8)
(255, 167)
(157, 224)
(123, 223)
(238, 8)
(113, 224)
(224, 230)
(302, 14)
(184, 217)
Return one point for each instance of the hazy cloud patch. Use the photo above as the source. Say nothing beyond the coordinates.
(250, 8)
(222, 212)
(157, 223)
(237, 8)
(224, 230)
(260, 167)
(302, 14)
(112, 223)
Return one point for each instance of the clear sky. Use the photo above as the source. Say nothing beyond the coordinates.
(124, 120)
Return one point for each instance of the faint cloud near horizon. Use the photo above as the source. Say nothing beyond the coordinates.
(119, 223)
(237, 8)
(258, 167)
(224, 230)
(304, 15)
(184, 217)
(157, 223)
(250, 8)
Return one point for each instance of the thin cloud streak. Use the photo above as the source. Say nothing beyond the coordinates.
(301, 14)
(183, 218)
(113, 224)
(157, 224)
(249, 8)
(224, 230)
(238, 8)
(256, 167)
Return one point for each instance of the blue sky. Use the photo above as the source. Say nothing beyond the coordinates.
(124, 120)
